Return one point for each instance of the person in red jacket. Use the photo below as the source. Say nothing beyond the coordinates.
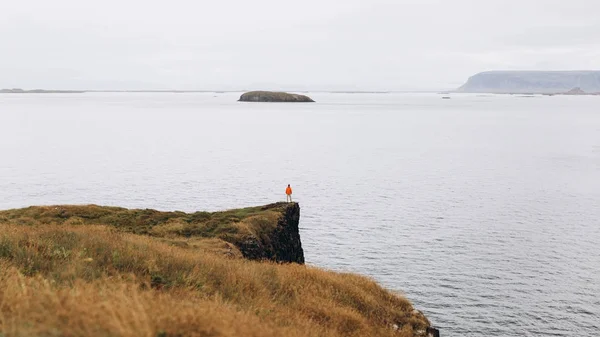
(288, 193)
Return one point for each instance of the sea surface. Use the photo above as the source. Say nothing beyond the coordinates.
(484, 210)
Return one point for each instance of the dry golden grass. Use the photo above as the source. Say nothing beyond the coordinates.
(152, 222)
(224, 231)
(93, 280)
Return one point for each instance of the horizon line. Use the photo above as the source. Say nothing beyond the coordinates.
(20, 90)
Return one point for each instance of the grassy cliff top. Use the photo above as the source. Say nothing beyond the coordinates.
(250, 230)
(143, 221)
(106, 271)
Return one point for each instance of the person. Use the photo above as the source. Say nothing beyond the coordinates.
(288, 193)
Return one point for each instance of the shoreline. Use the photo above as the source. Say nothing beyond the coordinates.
(250, 257)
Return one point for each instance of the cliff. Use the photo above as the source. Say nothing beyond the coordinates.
(110, 271)
(259, 233)
(281, 243)
(549, 82)
(270, 96)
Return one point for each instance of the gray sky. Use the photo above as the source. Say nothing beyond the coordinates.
(278, 44)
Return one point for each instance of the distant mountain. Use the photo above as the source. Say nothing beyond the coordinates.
(38, 91)
(575, 91)
(505, 82)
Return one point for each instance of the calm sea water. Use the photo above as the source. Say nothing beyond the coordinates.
(483, 210)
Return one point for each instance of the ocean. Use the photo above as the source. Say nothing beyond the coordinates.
(483, 210)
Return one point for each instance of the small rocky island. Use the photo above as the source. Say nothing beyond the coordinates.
(272, 96)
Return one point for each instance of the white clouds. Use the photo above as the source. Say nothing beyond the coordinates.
(375, 44)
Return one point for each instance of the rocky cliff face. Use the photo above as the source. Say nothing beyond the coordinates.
(506, 82)
(282, 244)
(270, 96)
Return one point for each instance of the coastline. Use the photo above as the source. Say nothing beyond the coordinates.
(245, 261)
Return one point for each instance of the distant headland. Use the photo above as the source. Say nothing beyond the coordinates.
(271, 96)
(534, 82)
(38, 91)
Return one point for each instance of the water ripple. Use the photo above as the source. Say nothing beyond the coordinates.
(483, 211)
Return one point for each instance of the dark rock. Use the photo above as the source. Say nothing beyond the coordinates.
(433, 332)
(283, 243)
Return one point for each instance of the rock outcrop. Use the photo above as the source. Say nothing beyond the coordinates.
(282, 243)
(534, 82)
(271, 96)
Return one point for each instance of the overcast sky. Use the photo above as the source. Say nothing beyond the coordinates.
(279, 44)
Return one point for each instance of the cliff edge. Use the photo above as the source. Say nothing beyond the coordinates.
(281, 243)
